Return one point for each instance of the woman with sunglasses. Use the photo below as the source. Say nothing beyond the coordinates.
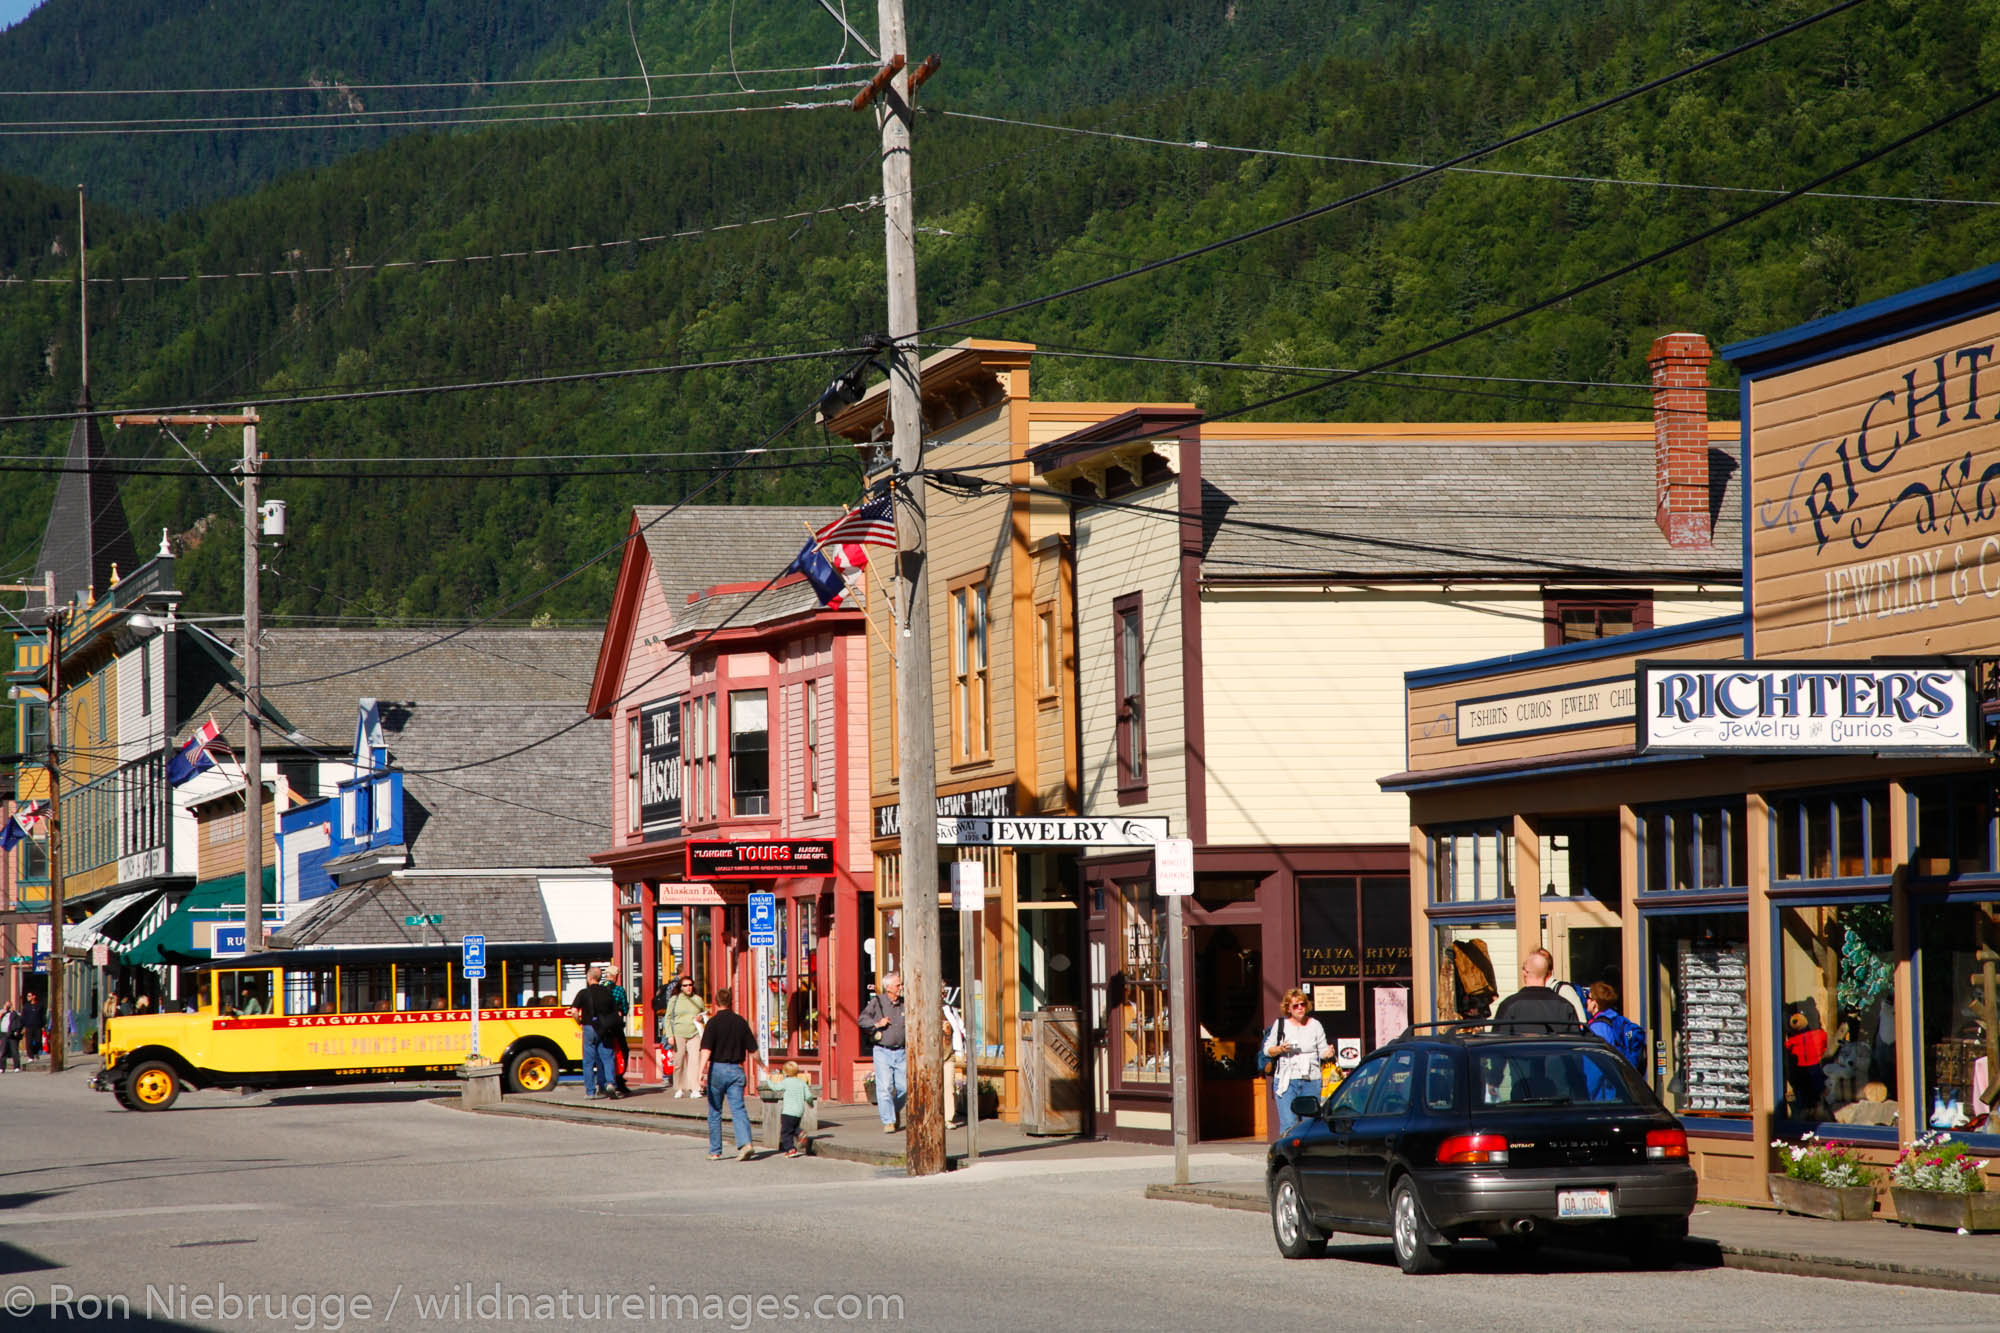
(1296, 1046)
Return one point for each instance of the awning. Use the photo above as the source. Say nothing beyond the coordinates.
(187, 933)
(97, 928)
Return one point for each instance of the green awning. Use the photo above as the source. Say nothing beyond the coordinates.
(186, 933)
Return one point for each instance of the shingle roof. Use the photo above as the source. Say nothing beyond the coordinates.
(704, 545)
(1397, 507)
(507, 909)
(339, 667)
(87, 532)
(548, 806)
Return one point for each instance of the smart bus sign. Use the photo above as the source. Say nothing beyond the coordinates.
(1799, 707)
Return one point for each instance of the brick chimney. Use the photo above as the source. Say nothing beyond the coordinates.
(1679, 363)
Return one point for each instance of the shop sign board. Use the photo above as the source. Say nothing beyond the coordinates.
(1053, 831)
(989, 802)
(770, 859)
(1806, 707)
(688, 895)
(659, 740)
(763, 913)
(1585, 703)
(1874, 528)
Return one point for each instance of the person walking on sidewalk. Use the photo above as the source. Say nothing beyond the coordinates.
(795, 1094)
(597, 1014)
(680, 1010)
(33, 1019)
(1536, 1007)
(726, 1043)
(10, 1035)
(620, 1052)
(882, 1018)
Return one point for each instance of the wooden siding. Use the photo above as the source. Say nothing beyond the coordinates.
(972, 535)
(141, 731)
(652, 672)
(1874, 524)
(1051, 718)
(1433, 709)
(1119, 552)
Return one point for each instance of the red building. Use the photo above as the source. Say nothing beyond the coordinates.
(740, 745)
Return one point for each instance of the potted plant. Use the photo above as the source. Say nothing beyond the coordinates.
(1934, 1184)
(1823, 1179)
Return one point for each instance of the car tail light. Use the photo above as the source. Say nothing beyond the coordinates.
(1475, 1148)
(1665, 1143)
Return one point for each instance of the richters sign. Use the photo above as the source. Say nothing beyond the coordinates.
(990, 802)
(759, 860)
(1588, 703)
(1798, 707)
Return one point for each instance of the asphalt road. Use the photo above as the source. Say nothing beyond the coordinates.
(380, 1210)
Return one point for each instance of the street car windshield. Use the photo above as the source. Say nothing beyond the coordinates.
(1520, 1077)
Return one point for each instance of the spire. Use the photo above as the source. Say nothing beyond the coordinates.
(87, 532)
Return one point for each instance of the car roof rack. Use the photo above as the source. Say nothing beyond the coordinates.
(1489, 1027)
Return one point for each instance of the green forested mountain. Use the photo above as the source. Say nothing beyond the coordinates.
(1007, 213)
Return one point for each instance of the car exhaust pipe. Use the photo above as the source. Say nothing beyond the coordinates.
(1522, 1226)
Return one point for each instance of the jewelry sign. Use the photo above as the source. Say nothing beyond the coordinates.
(1806, 708)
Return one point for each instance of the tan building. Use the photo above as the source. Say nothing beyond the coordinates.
(1790, 810)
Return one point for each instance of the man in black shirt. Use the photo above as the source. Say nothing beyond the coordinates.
(726, 1042)
(1536, 1007)
(597, 1014)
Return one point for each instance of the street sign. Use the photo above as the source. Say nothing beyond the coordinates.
(763, 920)
(1173, 867)
(428, 919)
(100, 954)
(968, 885)
(474, 964)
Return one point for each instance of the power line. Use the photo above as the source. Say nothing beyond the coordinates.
(1386, 187)
(427, 124)
(1203, 145)
(393, 87)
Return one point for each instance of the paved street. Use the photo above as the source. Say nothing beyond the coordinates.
(379, 1209)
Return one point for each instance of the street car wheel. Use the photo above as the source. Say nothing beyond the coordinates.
(1297, 1237)
(531, 1071)
(1415, 1252)
(153, 1086)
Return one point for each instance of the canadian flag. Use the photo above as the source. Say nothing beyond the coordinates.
(847, 557)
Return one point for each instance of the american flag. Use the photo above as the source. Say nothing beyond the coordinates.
(873, 524)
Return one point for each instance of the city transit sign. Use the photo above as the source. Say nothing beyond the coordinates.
(1804, 707)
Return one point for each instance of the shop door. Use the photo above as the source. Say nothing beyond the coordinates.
(1587, 948)
(1228, 971)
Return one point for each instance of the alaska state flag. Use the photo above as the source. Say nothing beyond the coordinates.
(825, 579)
(194, 756)
(10, 835)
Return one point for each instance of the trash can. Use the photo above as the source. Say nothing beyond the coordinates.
(1051, 1072)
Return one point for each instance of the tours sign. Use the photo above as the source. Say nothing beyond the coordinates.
(1804, 707)
(760, 860)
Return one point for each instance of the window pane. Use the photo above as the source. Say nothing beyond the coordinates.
(1838, 968)
(1696, 984)
(1957, 943)
(1787, 823)
(749, 752)
(1144, 974)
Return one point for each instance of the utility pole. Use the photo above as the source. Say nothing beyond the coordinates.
(58, 1017)
(917, 762)
(253, 703)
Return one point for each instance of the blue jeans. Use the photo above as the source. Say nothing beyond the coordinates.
(892, 1082)
(726, 1081)
(600, 1066)
(1300, 1087)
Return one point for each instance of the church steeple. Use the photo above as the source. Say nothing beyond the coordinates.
(88, 531)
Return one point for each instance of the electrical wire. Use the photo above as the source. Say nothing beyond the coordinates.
(1410, 178)
(426, 124)
(475, 84)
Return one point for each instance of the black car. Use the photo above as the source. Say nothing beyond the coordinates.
(1516, 1137)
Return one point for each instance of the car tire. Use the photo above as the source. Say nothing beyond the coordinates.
(532, 1070)
(1416, 1252)
(152, 1086)
(1297, 1237)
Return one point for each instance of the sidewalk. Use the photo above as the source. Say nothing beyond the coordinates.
(1748, 1238)
(1762, 1240)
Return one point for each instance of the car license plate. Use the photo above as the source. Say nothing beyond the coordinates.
(1583, 1203)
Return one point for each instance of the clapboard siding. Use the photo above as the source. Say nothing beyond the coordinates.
(1120, 552)
(652, 672)
(1051, 721)
(973, 536)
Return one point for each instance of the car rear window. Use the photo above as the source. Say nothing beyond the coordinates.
(1520, 1077)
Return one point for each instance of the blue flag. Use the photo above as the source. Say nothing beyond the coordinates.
(819, 572)
(194, 757)
(10, 834)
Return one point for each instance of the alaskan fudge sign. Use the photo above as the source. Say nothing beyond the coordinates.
(1794, 707)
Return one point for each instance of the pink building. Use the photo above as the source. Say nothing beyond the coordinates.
(740, 764)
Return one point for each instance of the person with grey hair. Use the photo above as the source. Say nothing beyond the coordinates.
(882, 1020)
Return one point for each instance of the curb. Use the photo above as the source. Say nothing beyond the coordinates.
(649, 1124)
(1699, 1250)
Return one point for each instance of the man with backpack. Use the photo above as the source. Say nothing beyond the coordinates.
(1619, 1032)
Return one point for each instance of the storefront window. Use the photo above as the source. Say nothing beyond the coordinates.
(1954, 822)
(1838, 996)
(778, 979)
(1697, 1013)
(802, 1005)
(1832, 835)
(1354, 955)
(1959, 985)
(1478, 962)
(1693, 847)
(1579, 859)
(1472, 865)
(1142, 1000)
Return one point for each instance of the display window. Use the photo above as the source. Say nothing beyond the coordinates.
(1696, 985)
(1837, 1007)
(1141, 993)
(1478, 965)
(1831, 835)
(1579, 859)
(1470, 865)
(1958, 979)
(1955, 828)
(1354, 955)
(1693, 848)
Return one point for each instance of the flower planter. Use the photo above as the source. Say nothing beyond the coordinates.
(1850, 1203)
(1953, 1212)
